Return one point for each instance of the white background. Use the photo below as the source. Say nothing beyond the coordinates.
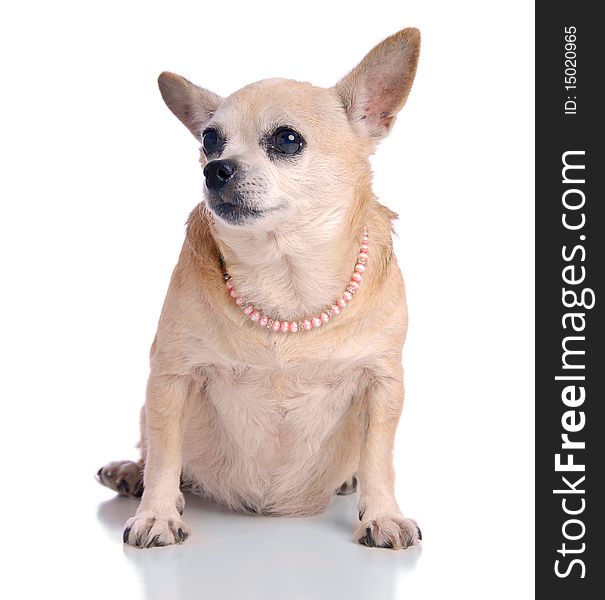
(97, 181)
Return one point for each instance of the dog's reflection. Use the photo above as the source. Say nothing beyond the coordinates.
(241, 557)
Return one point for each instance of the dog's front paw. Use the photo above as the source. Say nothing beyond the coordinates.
(388, 531)
(148, 529)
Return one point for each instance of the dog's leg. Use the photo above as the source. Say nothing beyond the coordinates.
(157, 521)
(382, 524)
(123, 476)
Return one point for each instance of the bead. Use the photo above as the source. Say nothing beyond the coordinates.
(324, 317)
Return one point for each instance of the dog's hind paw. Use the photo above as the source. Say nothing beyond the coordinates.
(148, 530)
(388, 531)
(348, 487)
(122, 476)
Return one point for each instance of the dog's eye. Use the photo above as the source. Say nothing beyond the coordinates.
(287, 141)
(211, 141)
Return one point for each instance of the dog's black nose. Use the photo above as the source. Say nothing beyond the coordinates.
(218, 173)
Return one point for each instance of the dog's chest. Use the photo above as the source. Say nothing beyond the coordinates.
(273, 412)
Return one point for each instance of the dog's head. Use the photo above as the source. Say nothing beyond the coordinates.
(277, 148)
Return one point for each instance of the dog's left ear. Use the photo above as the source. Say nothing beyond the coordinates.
(377, 88)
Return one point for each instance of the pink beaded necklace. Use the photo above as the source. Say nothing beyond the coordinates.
(257, 316)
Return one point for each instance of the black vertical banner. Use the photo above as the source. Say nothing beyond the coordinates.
(570, 301)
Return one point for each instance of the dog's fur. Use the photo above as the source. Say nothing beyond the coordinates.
(269, 422)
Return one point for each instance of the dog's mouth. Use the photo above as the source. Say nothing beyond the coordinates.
(232, 210)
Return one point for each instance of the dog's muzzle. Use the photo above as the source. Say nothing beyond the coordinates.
(224, 198)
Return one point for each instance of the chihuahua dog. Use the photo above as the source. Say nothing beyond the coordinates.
(276, 378)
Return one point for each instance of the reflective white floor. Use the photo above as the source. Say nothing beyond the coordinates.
(240, 556)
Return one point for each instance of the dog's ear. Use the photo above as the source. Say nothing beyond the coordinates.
(193, 105)
(377, 88)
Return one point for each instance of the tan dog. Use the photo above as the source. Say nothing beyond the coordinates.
(245, 404)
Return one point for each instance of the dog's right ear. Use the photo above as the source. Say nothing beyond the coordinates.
(193, 105)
